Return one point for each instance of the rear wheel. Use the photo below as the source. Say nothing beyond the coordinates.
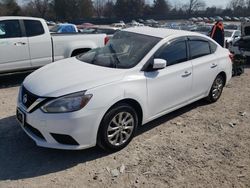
(117, 128)
(216, 89)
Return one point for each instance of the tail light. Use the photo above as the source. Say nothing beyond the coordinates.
(106, 39)
(231, 56)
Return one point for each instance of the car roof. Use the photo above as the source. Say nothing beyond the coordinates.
(161, 32)
(19, 18)
(66, 24)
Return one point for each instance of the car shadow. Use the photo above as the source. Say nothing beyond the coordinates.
(20, 158)
(12, 79)
(170, 116)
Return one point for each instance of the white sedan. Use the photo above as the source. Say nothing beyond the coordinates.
(102, 96)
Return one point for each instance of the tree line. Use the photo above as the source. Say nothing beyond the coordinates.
(77, 9)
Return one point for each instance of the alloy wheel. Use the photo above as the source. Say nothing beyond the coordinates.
(120, 128)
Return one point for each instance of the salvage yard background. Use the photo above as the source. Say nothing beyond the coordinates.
(197, 146)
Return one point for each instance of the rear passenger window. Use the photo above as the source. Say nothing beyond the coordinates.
(199, 48)
(33, 28)
(10, 29)
(174, 53)
(213, 47)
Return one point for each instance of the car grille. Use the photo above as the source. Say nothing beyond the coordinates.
(27, 98)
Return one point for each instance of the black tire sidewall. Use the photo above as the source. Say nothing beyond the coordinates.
(102, 139)
(210, 97)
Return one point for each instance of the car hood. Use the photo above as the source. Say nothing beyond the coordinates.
(69, 76)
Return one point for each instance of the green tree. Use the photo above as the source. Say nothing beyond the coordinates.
(129, 8)
(194, 5)
(9, 8)
(161, 7)
(73, 9)
(109, 10)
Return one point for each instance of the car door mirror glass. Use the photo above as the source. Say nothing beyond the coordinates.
(159, 64)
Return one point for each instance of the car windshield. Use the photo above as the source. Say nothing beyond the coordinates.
(228, 33)
(125, 50)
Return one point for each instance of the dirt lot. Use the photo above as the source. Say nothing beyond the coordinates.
(197, 146)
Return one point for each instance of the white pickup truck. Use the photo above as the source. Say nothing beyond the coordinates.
(26, 43)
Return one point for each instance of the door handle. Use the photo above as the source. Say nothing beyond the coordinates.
(20, 43)
(214, 65)
(186, 74)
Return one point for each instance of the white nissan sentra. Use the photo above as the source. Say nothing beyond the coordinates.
(102, 96)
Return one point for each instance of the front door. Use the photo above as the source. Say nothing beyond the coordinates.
(170, 87)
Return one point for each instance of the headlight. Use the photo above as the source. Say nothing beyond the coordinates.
(68, 103)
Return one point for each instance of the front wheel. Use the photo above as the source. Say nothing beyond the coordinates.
(216, 89)
(117, 128)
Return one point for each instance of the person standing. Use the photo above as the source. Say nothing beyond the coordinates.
(217, 33)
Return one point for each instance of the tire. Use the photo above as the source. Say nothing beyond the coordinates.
(117, 128)
(216, 89)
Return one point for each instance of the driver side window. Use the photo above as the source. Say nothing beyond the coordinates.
(174, 53)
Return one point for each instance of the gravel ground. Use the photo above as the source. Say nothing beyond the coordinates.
(197, 146)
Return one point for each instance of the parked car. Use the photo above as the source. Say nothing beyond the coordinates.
(134, 23)
(241, 46)
(34, 46)
(102, 96)
(236, 19)
(206, 19)
(227, 18)
(218, 18)
(50, 23)
(230, 36)
(193, 19)
(212, 19)
(232, 26)
(64, 28)
(119, 25)
(110, 31)
(205, 29)
(85, 26)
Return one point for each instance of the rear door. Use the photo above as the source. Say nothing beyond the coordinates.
(205, 65)
(14, 49)
(170, 87)
(40, 44)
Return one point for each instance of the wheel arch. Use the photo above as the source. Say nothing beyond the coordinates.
(133, 103)
(224, 75)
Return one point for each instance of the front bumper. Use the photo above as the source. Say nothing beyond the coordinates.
(69, 131)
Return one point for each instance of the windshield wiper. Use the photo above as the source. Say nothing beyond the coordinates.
(115, 55)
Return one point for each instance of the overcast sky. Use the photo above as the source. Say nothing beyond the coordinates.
(217, 3)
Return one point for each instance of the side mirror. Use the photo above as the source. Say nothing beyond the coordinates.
(159, 64)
